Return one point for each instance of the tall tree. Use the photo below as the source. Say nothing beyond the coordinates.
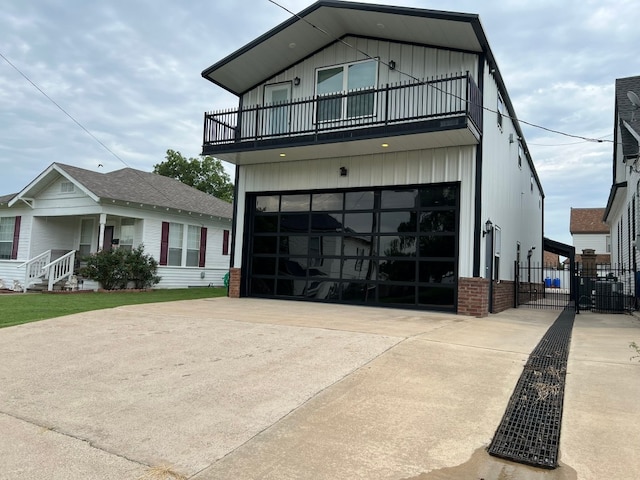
(207, 175)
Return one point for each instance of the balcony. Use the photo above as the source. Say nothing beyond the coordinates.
(433, 113)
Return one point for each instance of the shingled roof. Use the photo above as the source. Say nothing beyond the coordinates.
(144, 188)
(587, 220)
(628, 113)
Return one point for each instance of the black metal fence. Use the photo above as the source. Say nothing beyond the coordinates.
(403, 102)
(597, 288)
(605, 288)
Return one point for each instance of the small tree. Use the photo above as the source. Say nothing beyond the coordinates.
(114, 269)
(207, 175)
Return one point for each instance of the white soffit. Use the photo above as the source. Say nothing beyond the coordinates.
(296, 38)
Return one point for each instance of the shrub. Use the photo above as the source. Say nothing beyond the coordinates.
(115, 268)
(142, 268)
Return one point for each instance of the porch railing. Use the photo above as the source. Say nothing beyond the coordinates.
(34, 269)
(43, 268)
(60, 268)
(411, 101)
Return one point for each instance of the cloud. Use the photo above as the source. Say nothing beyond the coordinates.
(130, 73)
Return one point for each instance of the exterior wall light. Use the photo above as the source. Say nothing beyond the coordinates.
(296, 81)
(392, 65)
(487, 227)
(343, 171)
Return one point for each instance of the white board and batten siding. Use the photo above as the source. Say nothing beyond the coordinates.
(453, 164)
(511, 198)
(412, 62)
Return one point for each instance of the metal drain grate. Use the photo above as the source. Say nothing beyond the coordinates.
(530, 428)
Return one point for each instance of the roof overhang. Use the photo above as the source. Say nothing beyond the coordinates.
(41, 181)
(617, 195)
(327, 21)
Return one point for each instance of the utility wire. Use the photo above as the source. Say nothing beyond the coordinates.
(62, 109)
(82, 126)
(367, 55)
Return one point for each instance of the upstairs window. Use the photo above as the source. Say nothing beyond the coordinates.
(345, 91)
(500, 108)
(67, 187)
(520, 154)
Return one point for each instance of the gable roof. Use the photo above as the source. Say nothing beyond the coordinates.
(329, 21)
(326, 21)
(628, 115)
(587, 220)
(134, 186)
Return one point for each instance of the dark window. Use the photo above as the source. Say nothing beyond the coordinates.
(225, 242)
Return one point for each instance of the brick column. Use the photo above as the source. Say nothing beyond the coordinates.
(589, 263)
(234, 282)
(473, 296)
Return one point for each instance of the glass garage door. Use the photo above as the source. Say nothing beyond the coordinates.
(387, 246)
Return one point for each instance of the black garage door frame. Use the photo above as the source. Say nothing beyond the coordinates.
(384, 246)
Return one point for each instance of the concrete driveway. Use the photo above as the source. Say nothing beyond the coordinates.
(266, 389)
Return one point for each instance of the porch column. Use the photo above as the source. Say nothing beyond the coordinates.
(103, 222)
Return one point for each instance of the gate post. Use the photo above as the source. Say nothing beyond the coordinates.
(516, 284)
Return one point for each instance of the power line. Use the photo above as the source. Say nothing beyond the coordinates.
(82, 126)
(367, 55)
(62, 109)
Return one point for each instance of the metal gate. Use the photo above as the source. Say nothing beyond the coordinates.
(599, 288)
(540, 286)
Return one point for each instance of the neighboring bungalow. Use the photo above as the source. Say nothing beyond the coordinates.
(589, 231)
(67, 213)
(623, 208)
(378, 161)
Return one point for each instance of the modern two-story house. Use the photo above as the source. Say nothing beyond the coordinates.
(378, 161)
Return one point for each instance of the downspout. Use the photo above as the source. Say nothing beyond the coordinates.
(489, 232)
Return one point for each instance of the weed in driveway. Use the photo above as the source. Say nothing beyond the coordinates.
(162, 472)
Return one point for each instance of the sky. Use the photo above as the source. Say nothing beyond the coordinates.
(129, 73)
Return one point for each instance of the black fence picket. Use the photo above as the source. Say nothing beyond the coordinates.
(598, 288)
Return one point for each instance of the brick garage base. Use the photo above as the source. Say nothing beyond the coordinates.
(473, 297)
(234, 282)
(502, 296)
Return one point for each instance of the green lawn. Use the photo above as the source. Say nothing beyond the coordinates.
(29, 307)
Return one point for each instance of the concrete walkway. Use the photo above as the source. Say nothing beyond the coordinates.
(265, 389)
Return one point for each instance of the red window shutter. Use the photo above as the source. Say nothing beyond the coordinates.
(164, 243)
(203, 246)
(16, 238)
(225, 242)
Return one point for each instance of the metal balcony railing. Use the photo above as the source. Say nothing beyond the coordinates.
(406, 102)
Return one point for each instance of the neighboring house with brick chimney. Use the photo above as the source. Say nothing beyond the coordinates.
(589, 231)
